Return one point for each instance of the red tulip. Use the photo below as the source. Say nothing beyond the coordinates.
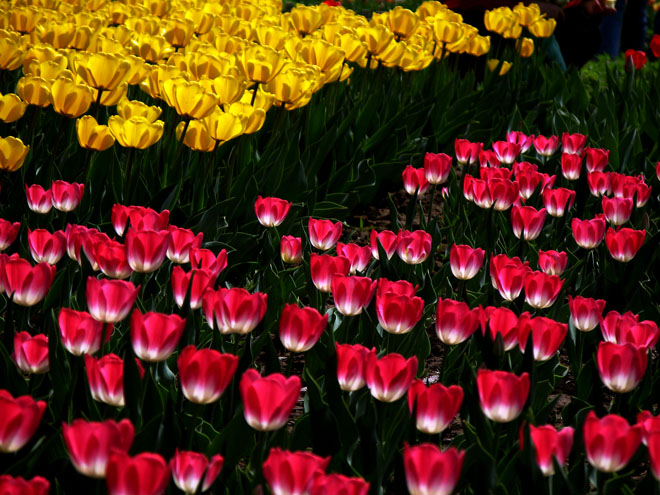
(8, 233)
(291, 249)
(552, 262)
(399, 287)
(466, 151)
(588, 233)
(205, 259)
(205, 373)
(20, 486)
(639, 191)
(352, 294)
(89, 443)
(431, 471)
(617, 210)
(291, 473)
(643, 334)
(455, 322)
(106, 378)
(301, 328)
(144, 474)
(488, 174)
(649, 425)
(359, 256)
(546, 146)
(437, 167)
(610, 442)
(600, 183)
(505, 322)
(585, 312)
(19, 420)
(90, 240)
(465, 261)
(506, 152)
(154, 336)
(503, 192)
(550, 444)
(499, 261)
(338, 484)
(520, 138)
(488, 158)
(81, 334)
(323, 234)
(654, 45)
(75, 235)
(31, 353)
(596, 159)
(45, 246)
(268, 401)
(110, 256)
(66, 197)
(39, 200)
(414, 247)
(324, 268)
(510, 279)
(614, 324)
(350, 366)
(468, 193)
(541, 289)
(110, 301)
(271, 212)
(398, 314)
(547, 335)
(502, 394)
(480, 194)
(624, 243)
(119, 217)
(635, 58)
(435, 406)
(234, 310)
(193, 472)
(414, 180)
(181, 282)
(387, 239)
(621, 366)
(142, 218)
(181, 242)
(527, 222)
(573, 143)
(146, 249)
(389, 377)
(571, 165)
(25, 284)
(558, 201)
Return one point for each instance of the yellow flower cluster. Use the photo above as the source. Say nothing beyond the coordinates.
(508, 23)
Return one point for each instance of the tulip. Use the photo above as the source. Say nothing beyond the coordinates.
(527, 222)
(202, 280)
(20, 486)
(437, 167)
(205, 373)
(271, 212)
(102, 71)
(81, 334)
(617, 210)
(193, 472)
(301, 328)
(268, 401)
(431, 471)
(551, 444)
(12, 108)
(291, 249)
(75, 234)
(323, 234)
(144, 474)
(638, 191)
(389, 377)
(234, 310)
(573, 144)
(351, 366)
(510, 279)
(387, 239)
(398, 314)
(435, 406)
(585, 312)
(502, 192)
(506, 152)
(596, 159)
(207, 260)
(8, 233)
(260, 63)
(34, 90)
(610, 442)
(93, 136)
(543, 28)
(650, 425)
(19, 420)
(571, 164)
(25, 284)
(324, 268)
(146, 250)
(127, 108)
(110, 301)
(46, 247)
(359, 256)
(414, 247)
(558, 201)
(338, 484)
(624, 244)
(352, 294)
(588, 234)
(136, 132)
(414, 180)
(654, 46)
(621, 366)
(39, 200)
(181, 242)
(110, 256)
(31, 353)
(466, 151)
(223, 126)
(654, 451)
(66, 197)
(505, 322)
(465, 261)
(188, 98)
(479, 193)
(455, 321)
(90, 240)
(291, 473)
(600, 183)
(90, 443)
(552, 262)
(613, 324)
(154, 336)
(546, 146)
(627, 329)
(502, 394)
(541, 289)
(547, 335)
(106, 378)
(635, 58)
(70, 99)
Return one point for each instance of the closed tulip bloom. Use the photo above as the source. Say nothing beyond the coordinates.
(93, 136)
(504, 322)
(34, 90)
(188, 98)
(132, 108)
(499, 261)
(301, 328)
(75, 235)
(323, 234)
(573, 143)
(207, 260)
(223, 126)
(338, 484)
(614, 322)
(502, 394)
(205, 373)
(399, 287)
(414, 180)
(552, 262)
(89, 443)
(144, 474)
(431, 471)
(547, 335)
(70, 99)
(106, 378)
(181, 282)
(80, 333)
(541, 289)
(435, 406)
(546, 146)
(623, 329)
(154, 336)
(12, 108)
(596, 159)
(20, 486)
(110, 256)
(437, 167)
(610, 441)
(389, 377)
(146, 250)
(102, 71)
(623, 244)
(588, 234)
(181, 242)
(506, 152)
(26, 285)
(479, 192)
(617, 210)
(260, 63)
(324, 268)
(66, 197)
(455, 321)
(19, 420)
(31, 353)
(45, 246)
(510, 279)
(136, 132)
(291, 473)
(90, 240)
(465, 261)
(558, 201)
(585, 312)
(359, 256)
(110, 301)
(527, 222)
(387, 239)
(351, 366)
(503, 193)
(398, 314)
(352, 294)
(635, 58)
(234, 310)
(414, 247)
(193, 472)
(268, 401)
(467, 151)
(8, 232)
(271, 212)
(600, 183)
(621, 366)
(571, 165)
(39, 200)
(550, 445)
(291, 249)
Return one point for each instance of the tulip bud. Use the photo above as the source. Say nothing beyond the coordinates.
(271, 212)
(39, 200)
(352, 294)
(8, 233)
(323, 234)
(624, 244)
(46, 247)
(291, 249)
(588, 234)
(546, 146)
(455, 322)
(20, 486)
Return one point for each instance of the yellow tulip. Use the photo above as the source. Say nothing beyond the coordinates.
(11, 54)
(234, 26)
(70, 99)
(446, 31)
(93, 136)
(12, 107)
(430, 9)
(402, 22)
(111, 98)
(226, 43)
(157, 7)
(202, 65)
(290, 85)
(106, 44)
(543, 28)
(246, 11)
(24, 19)
(493, 63)
(42, 53)
(34, 90)
(252, 117)
(346, 72)
(136, 132)
(178, 32)
(227, 89)
(48, 70)
(127, 109)
(103, 71)
(328, 13)
(354, 48)
(189, 99)
(514, 31)
(263, 100)
(12, 153)
(82, 38)
(272, 36)
(151, 48)
(260, 63)
(197, 137)
(55, 33)
(121, 34)
(119, 12)
(500, 20)
(143, 25)
(138, 71)
(202, 21)
(525, 47)
(478, 46)
(305, 19)
(156, 76)
(528, 14)
(376, 38)
(392, 54)
(324, 55)
(415, 58)
(223, 126)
